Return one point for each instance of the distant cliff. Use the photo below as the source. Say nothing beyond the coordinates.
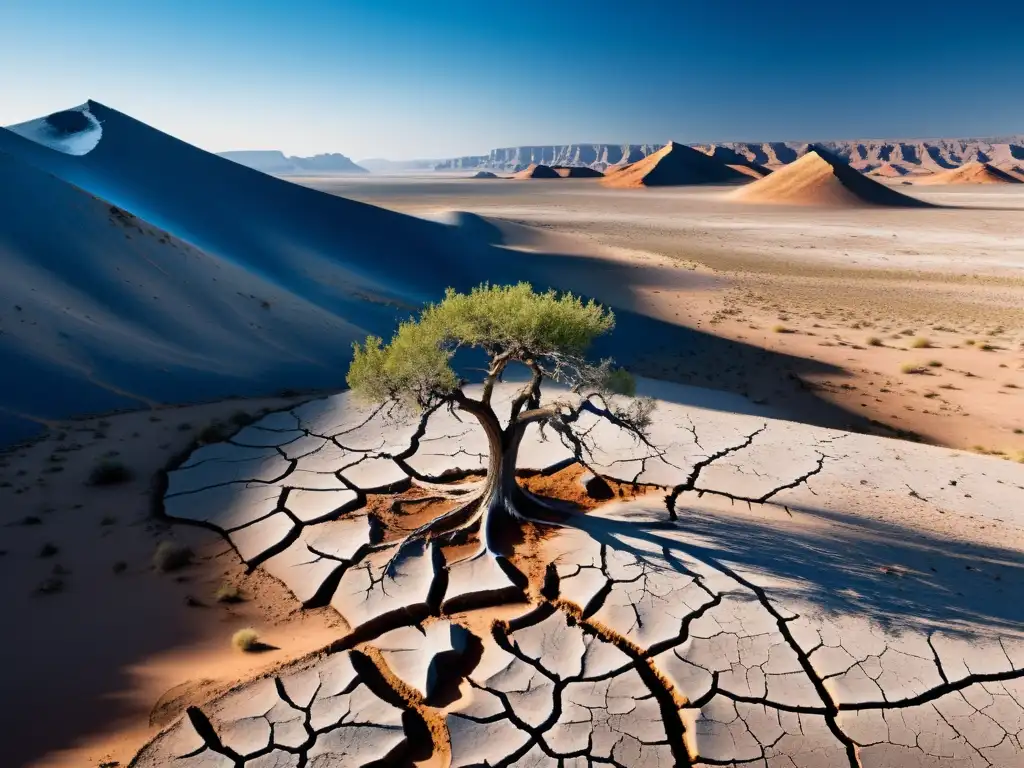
(598, 156)
(273, 161)
(924, 154)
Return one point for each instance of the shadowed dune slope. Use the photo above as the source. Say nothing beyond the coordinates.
(972, 173)
(537, 171)
(577, 172)
(673, 165)
(736, 161)
(101, 310)
(338, 253)
(821, 178)
(141, 269)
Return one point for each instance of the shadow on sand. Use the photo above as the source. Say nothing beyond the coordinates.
(845, 565)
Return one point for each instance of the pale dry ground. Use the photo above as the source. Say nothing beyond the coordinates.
(815, 283)
(94, 669)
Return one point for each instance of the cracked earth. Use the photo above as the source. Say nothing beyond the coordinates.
(785, 597)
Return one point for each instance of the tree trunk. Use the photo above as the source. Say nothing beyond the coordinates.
(501, 496)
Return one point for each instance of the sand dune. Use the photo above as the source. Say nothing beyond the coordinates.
(736, 161)
(821, 178)
(673, 165)
(190, 277)
(577, 172)
(537, 171)
(972, 173)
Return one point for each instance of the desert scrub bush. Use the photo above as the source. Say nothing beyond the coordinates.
(48, 550)
(51, 586)
(934, 363)
(874, 341)
(912, 368)
(247, 639)
(782, 329)
(212, 433)
(921, 343)
(241, 418)
(986, 347)
(171, 556)
(108, 472)
(228, 593)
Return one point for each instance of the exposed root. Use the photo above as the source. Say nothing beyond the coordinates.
(449, 490)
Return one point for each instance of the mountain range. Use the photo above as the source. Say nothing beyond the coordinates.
(274, 161)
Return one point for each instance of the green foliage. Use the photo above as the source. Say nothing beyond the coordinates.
(514, 321)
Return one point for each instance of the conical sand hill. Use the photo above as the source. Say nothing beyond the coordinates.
(822, 178)
(673, 165)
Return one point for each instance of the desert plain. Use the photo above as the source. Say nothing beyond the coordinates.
(815, 560)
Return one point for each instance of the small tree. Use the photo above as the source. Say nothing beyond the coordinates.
(547, 333)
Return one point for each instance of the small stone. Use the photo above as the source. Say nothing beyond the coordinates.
(597, 487)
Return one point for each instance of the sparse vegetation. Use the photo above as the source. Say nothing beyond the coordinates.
(986, 347)
(184, 426)
(921, 343)
(782, 329)
(241, 418)
(247, 639)
(48, 550)
(109, 472)
(546, 333)
(228, 593)
(914, 368)
(50, 585)
(874, 341)
(212, 433)
(934, 363)
(171, 556)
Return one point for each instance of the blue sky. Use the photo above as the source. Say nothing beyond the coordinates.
(437, 78)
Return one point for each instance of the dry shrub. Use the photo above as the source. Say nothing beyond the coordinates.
(171, 556)
(247, 639)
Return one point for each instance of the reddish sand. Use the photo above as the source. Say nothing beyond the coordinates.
(972, 173)
(821, 178)
(537, 171)
(673, 165)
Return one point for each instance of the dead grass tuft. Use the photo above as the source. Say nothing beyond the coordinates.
(247, 639)
(171, 556)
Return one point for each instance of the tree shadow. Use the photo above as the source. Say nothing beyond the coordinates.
(899, 578)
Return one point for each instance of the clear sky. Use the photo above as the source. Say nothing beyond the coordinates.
(439, 78)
